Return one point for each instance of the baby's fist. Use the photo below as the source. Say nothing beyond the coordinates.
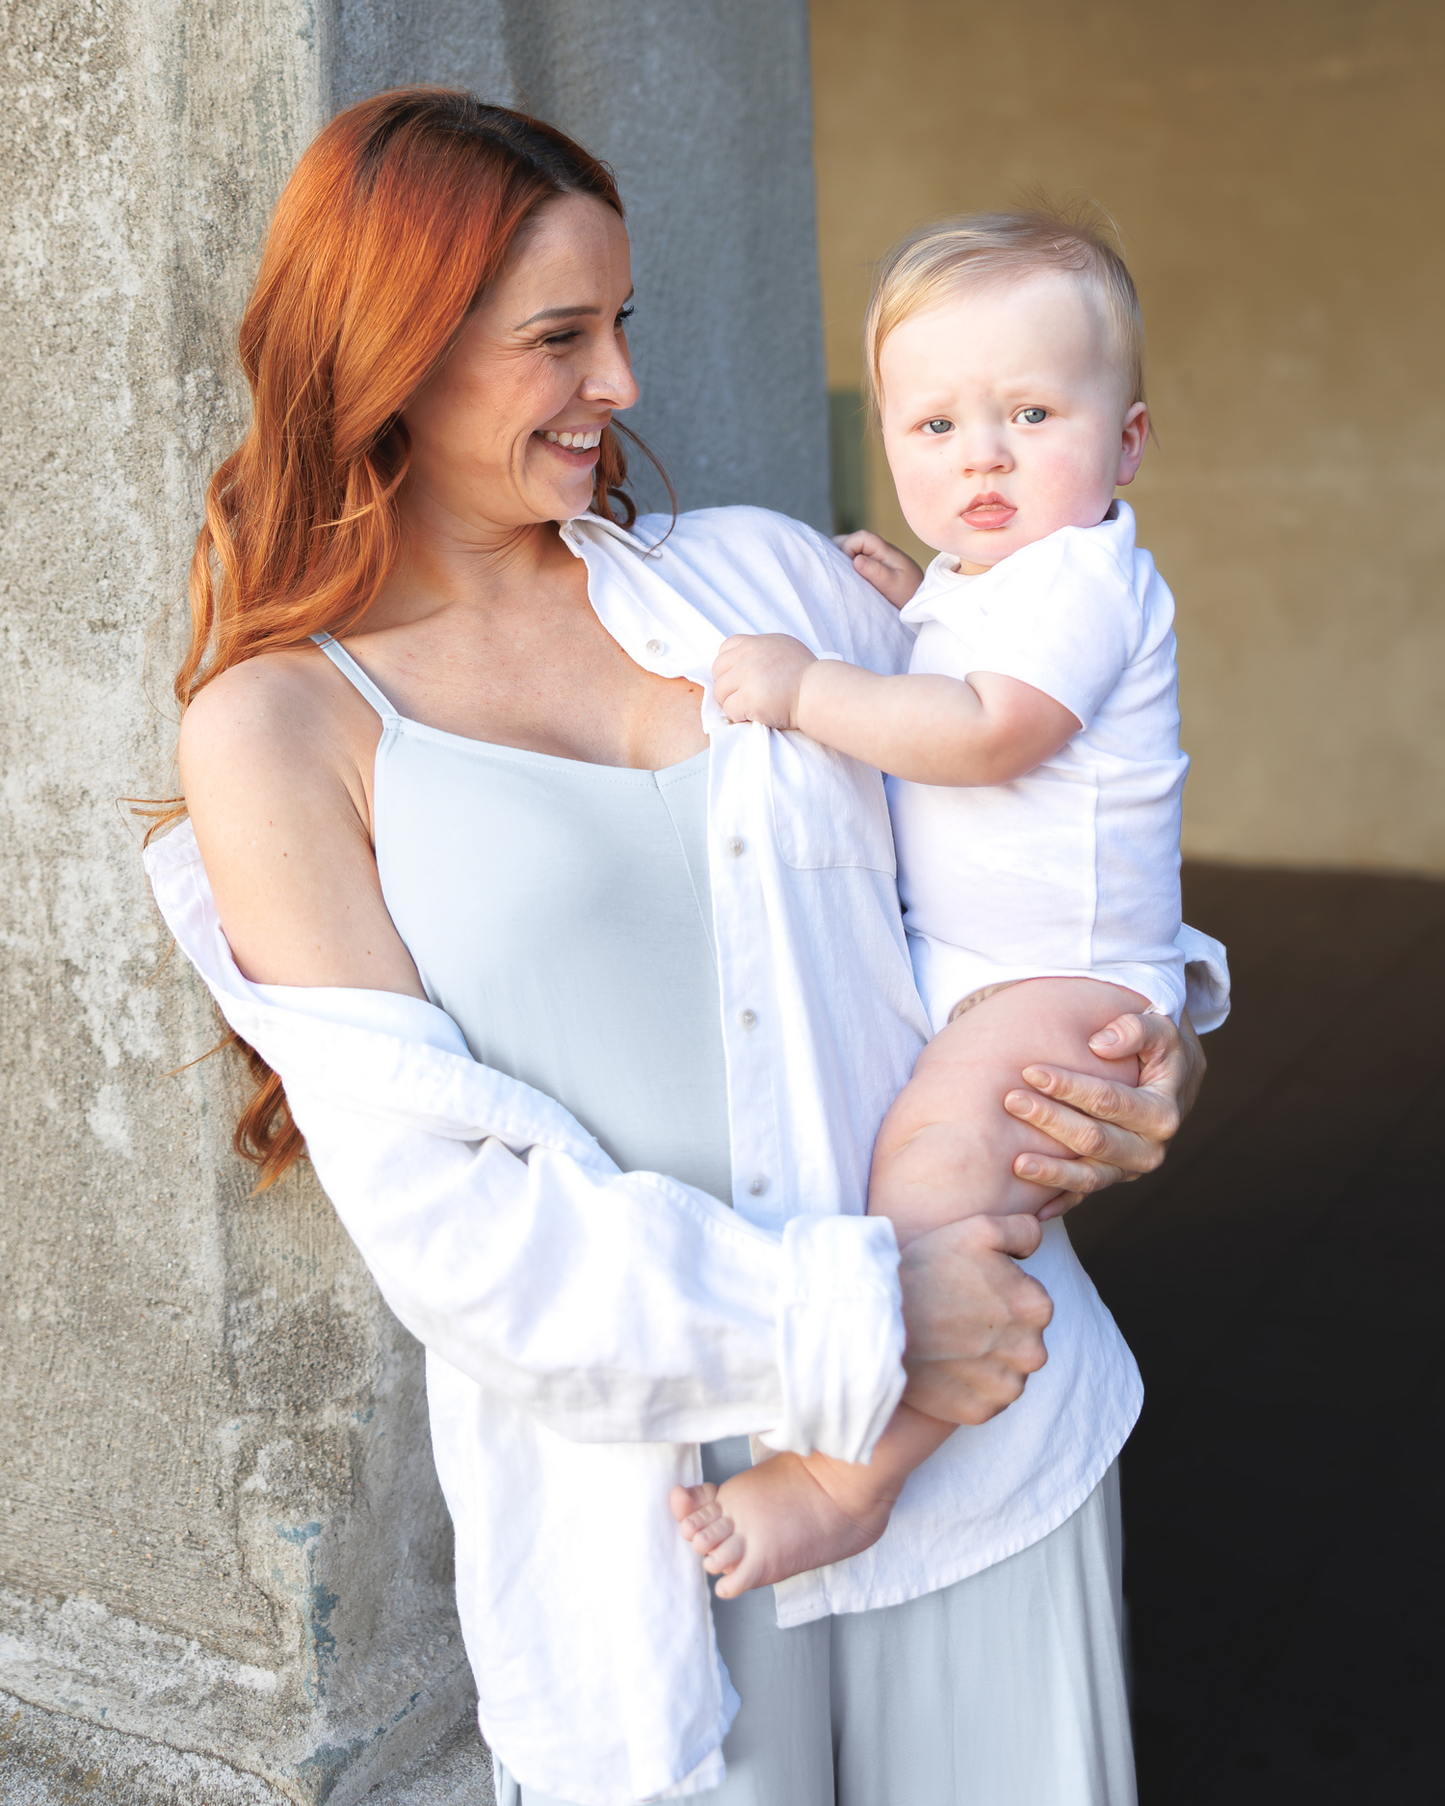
(756, 677)
(891, 572)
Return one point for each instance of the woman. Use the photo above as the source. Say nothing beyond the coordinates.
(480, 839)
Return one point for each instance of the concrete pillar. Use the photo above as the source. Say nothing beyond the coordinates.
(224, 1563)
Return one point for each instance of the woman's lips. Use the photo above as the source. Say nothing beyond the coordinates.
(988, 513)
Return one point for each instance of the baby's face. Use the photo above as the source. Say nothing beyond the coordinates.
(1006, 416)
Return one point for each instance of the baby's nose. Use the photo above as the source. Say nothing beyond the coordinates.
(979, 459)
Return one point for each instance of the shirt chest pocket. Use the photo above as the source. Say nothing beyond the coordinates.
(828, 809)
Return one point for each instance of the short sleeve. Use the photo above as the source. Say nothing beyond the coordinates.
(1061, 615)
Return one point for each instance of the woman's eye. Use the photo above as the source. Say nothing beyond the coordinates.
(625, 314)
(1033, 416)
(935, 427)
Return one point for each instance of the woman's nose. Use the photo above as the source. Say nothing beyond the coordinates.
(610, 380)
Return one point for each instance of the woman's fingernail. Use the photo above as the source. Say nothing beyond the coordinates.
(1029, 1170)
(1036, 1076)
(1106, 1037)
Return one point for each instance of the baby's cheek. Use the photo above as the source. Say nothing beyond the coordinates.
(1069, 489)
(926, 494)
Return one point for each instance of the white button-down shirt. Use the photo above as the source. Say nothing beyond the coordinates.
(587, 1329)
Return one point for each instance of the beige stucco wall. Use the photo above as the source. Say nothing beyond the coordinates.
(1276, 172)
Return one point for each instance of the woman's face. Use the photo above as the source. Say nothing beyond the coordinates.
(504, 433)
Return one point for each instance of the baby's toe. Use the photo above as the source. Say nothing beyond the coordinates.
(704, 1520)
(726, 1556)
(708, 1536)
(685, 1500)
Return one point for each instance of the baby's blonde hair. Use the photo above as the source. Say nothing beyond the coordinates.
(990, 249)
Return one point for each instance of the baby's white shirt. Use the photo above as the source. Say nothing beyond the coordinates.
(1072, 870)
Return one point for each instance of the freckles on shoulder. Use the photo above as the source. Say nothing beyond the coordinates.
(257, 749)
(248, 715)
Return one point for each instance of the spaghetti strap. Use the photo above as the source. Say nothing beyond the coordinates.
(354, 674)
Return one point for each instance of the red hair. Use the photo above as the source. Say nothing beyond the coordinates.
(397, 217)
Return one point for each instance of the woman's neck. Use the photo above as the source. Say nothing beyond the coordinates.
(467, 567)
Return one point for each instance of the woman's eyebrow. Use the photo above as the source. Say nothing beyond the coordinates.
(554, 313)
(561, 313)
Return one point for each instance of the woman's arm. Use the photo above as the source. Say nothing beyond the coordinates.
(273, 757)
(1116, 1131)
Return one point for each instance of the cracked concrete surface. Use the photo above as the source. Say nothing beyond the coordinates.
(50, 1760)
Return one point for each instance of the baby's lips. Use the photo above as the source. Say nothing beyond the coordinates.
(994, 515)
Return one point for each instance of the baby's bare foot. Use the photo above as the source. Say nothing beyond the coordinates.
(781, 1518)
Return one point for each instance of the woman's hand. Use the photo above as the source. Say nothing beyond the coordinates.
(1116, 1131)
(974, 1319)
(892, 573)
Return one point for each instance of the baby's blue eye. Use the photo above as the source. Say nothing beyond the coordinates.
(1034, 416)
(935, 427)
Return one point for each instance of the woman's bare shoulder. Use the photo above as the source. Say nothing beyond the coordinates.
(265, 705)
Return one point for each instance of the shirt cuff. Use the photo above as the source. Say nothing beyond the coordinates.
(840, 1336)
(1206, 978)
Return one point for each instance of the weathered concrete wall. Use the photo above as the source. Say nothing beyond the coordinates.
(220, 1533)
(1276, 171)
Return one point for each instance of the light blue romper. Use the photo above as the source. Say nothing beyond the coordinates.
(561, 914)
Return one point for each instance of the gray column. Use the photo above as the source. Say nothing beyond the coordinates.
(224, 1564)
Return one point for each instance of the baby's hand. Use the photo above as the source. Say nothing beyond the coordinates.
(757, 678)
(891, 572)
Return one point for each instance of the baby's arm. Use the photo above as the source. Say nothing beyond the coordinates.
(934, 730)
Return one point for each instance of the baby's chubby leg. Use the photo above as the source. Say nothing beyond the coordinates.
(947, 1147)
(946, 1150)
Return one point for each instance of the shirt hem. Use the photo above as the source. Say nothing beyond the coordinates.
(588, 1795)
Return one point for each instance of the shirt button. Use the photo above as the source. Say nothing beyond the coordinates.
(656, 646)
(736, 846)
(748, 1018)
(758, 1186)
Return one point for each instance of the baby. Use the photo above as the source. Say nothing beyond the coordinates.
(1033, 748)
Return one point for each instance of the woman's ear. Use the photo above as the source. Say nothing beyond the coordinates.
(1135, 437)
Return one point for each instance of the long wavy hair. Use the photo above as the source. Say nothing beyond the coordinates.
(396, 220)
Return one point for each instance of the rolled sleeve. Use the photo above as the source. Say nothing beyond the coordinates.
(840, 1336)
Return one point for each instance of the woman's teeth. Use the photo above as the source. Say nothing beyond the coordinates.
(577, 441)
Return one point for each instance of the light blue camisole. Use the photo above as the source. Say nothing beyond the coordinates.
(561, 914)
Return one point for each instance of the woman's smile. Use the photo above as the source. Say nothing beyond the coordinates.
(578, 445)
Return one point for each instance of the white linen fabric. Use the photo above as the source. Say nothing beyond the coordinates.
(586, 1329)
(1073, 869)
